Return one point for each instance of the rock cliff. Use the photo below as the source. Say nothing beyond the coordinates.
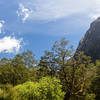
(90, 44)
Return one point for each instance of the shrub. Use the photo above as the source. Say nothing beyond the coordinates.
(46, 89)
(7, 92)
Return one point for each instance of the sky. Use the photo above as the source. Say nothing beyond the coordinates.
(35, 24)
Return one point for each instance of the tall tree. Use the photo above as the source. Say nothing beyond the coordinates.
(76, 77)
(19, 69)
(28, 58)
(14, 73)
(53, 60)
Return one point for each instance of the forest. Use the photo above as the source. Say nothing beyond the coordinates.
(60, 74)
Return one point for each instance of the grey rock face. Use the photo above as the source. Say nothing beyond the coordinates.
(90, 44)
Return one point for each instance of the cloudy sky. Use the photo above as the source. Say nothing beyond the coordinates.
(36, 24)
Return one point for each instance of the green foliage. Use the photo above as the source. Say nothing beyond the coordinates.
(7, 92)
(96, 81)
(13, 74)
(1, 94)
(53, 60)
(28, 58)
(18, 70)
(46, 89)
(90, 97)
(76, 76)
(23, 78)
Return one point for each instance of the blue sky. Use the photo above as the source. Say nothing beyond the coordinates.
(36, 24)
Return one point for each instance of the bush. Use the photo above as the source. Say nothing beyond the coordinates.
(46, 89)
(7, 92)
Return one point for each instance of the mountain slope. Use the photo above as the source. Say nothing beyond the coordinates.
(90, 44)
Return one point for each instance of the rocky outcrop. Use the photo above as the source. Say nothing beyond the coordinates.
(90, 44)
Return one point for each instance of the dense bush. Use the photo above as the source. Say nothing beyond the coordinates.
(7, 92)
(46, 89)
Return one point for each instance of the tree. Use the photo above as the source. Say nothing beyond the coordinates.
(46, 89)
(47, 65)
(53, 60)
(14, 73)
(19, 69)
(3, 61)
(76, 77)
(28, 59)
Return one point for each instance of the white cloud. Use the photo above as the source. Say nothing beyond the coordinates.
(1, 25)
(55, 9)
(24, 12)
(95, 11)
(94, 15)
(10, 44)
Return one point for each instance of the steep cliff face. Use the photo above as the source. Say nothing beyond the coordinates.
(90, 44)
